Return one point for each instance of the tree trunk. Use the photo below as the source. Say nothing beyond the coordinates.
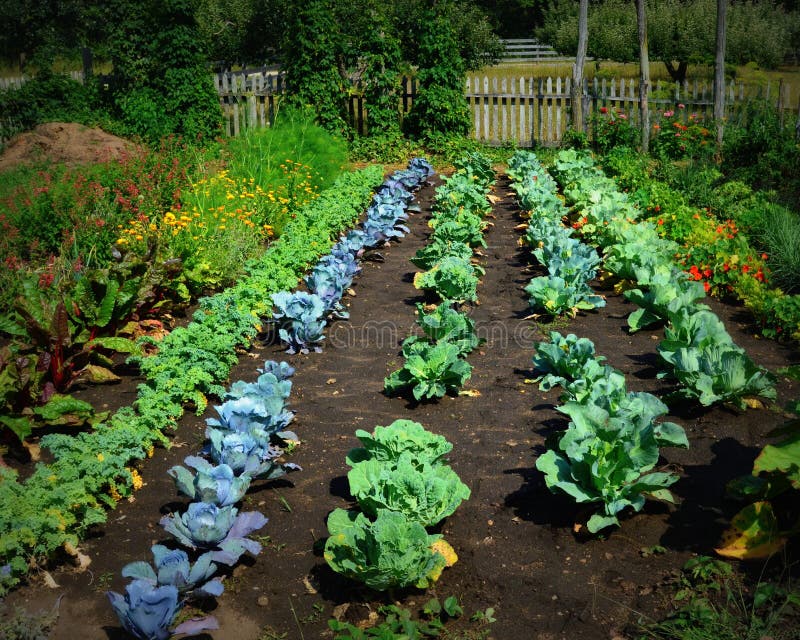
(576, 99)
(644, 74)
(719, 72)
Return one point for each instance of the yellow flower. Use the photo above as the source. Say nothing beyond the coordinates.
(136, 479)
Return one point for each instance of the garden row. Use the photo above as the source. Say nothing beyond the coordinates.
(248, 439)
(611, 445)
(90, 471)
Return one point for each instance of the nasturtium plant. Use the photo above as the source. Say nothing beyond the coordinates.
(390, 552)
(426, 493)
(388, 444)
(430, 371)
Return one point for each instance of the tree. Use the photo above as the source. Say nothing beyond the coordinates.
(576, 99)
(439, 107)
(311, 53)
(644, 73)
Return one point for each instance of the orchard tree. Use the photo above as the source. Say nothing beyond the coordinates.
(719, 70)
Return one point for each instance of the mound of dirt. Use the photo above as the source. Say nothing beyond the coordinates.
(66, 142)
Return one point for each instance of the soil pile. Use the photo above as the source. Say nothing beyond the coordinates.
(66, 142)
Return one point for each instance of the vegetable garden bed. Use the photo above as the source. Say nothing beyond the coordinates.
(518, 550)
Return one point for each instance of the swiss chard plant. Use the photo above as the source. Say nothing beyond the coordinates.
(430, 371)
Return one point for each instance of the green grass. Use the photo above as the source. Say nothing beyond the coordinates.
(754, 79)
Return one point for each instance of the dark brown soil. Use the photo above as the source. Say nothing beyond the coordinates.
(517, 549)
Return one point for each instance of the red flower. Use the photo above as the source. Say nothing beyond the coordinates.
(660, 222)
(764, 256)
(726, 267)
(708, 273)
(706, 286)
(603, 110)
(745, 268)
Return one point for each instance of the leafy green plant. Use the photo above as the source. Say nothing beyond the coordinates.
(453, 279)
(445, 324)
(554, 295)
(606, 459)
(430, 371)
(713, 601)
(393, 551)
(562, 359)
(423, 492)
(388, 444)
(399, 622)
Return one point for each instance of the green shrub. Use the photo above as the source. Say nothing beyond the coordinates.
(779, 235)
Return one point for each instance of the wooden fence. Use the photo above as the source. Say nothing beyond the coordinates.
(529, 50)
(526, 111)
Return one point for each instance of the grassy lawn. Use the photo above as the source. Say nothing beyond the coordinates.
(755, 80)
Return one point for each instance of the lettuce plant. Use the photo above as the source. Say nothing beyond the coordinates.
(422, 492)
(445, 324)
(300, 316)
(146, 612)
(453, 279)
(172, 567)
(220, 529)
(393, 551)
(430, 371)
(214, 484)
(388, 444)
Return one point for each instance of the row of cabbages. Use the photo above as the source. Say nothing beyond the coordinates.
(434, 362)
(610, 448)
(301, 315)
(248, 438)
(570, 263)
(701, 355)
(404, 487)
(245, 443)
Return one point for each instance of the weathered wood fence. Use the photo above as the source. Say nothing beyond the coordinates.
(529, 50)
(526, 111)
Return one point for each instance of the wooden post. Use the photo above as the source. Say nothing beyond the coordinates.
(719, 71)
(576, 102)
(644, 74)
